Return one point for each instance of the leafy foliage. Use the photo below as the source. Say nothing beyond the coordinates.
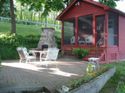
(45, 6)
(9, 43)
(110, 3)
(80, 52)
(0, 59)
(58, 41)
(5, 8)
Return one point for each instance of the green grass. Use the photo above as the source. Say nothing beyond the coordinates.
(25, 30)
(21, 29)
(111, 86)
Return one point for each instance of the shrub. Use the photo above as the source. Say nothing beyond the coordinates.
(80, 53)
(9, 43)
(58, 41)
(0, 60)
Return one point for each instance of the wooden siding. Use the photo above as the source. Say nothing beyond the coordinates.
(112, 54)
(82, 9)
(122, 37)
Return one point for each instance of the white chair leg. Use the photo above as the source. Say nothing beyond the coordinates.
(27, 60)
(20, 60)
(46, 63)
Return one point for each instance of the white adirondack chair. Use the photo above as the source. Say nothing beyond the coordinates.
(51, 54)
(24, 54)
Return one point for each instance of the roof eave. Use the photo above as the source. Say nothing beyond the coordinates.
(65, 10)
(106, 8)
(74, 1)
(117, 11)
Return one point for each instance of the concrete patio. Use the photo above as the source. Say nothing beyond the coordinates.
(15, 76)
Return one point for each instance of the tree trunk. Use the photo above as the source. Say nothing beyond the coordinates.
(31, 16)
(21, 13)
(46, 23)
(12, 15)
(34, 19)
(39, 16)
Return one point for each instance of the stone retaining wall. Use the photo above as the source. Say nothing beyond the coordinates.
(95, 85)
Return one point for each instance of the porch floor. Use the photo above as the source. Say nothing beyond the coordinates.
(15, 76)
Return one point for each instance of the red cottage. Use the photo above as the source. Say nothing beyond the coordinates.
(89, 24)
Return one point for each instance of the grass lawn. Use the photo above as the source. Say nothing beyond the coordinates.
(119, 76)
(23, 29)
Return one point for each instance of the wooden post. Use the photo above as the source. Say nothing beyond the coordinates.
(76, 31)
(94, 30)
(106, 35)
(62, 39)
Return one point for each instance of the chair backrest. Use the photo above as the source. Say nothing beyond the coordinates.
(25, 51)
(52, 53)
(22, 51)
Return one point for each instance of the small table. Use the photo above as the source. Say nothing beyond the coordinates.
(41, 52)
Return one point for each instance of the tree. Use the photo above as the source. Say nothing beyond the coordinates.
(67, 2)
(7, 9)
(110, 3)
(4, 8)
(12, 15)
(45, 6)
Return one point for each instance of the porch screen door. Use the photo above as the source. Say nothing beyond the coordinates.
(112, 29)
(100, 30)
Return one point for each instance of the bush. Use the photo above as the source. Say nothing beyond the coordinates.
(58, 41)
(0, 60)
(80, 53)
(9, 43)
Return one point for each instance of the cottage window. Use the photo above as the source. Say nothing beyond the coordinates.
(85, 33)
(69, 32)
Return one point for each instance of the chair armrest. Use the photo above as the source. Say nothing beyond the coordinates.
(44, 52)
